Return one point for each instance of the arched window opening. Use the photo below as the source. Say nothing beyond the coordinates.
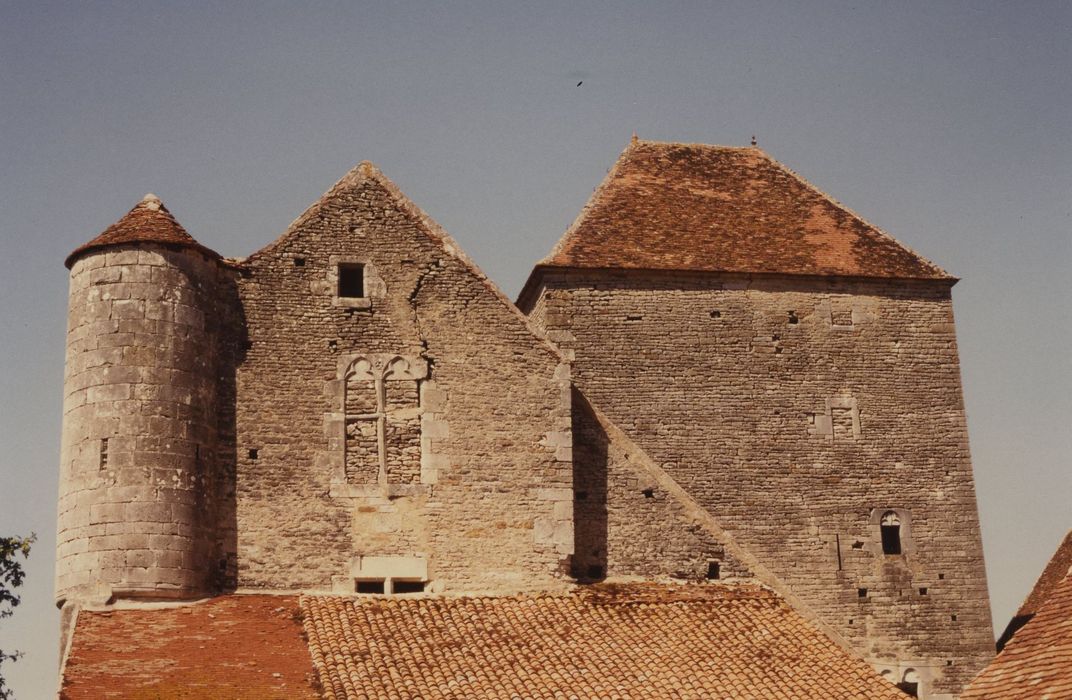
(891, 533)
(910, 683)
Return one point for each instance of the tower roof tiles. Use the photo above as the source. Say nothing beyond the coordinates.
(695, 207)
(148, 222)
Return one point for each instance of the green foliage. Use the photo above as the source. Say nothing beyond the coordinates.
(11, 577)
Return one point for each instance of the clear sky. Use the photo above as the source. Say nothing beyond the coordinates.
(947, 124)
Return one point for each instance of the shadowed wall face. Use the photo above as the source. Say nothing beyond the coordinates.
(799, 413)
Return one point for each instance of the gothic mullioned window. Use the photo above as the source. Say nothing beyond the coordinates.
(383, 424)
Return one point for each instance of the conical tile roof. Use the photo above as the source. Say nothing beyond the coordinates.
(148, 222)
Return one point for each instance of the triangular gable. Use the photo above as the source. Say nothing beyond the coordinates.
(366, 172)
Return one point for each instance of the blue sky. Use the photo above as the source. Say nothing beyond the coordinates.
(947, 124)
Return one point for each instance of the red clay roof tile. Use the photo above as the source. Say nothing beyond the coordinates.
(639, 641)
(672, 206)
(238, 646)
(148, 222)
(1036, 664)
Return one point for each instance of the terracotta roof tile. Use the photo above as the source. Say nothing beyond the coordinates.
(238, 646)
(148, 222)
(1051, 576)
(671, 206)
(638, 641)
(1036, 664)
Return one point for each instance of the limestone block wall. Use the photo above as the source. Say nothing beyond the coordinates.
(627, 523)
(139, 473)
(797, 412)
(419, 432)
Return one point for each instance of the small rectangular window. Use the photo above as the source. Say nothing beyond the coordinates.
(103, 453)
(407, 586)
(371, 587)
(351, 280)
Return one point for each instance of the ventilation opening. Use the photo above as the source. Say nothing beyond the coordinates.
(941, 577)
(351, 280)
(713, 570)
(861, 592)
(648, 493)
(953, 618)
(793, 320)
(299, 262)
(103, 453)
(716, 314)
(891, 533)
(633, 317)
(370, 587)
(407, 586)
(923, 591)
(253, 454)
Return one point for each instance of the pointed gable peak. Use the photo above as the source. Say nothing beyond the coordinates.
(148, 222)
(698, 207)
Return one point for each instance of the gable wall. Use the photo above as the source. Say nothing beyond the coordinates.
(797, 436)
(491, 504)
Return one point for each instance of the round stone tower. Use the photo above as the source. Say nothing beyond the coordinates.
(136, 506)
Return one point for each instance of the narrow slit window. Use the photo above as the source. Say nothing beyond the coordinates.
(713, 570)
(891, 533)
(351, 280)
(103, 453)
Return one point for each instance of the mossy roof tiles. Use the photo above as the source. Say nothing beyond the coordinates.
(694, 207)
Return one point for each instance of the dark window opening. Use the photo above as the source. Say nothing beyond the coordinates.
(861, 592)
(371, 587)
(713, 570)
(716, 314)
(891, 533)
(407, 586)
(595, 571)
(351, 280)
(648, 493)
(850, 620)
(103, 453)
(253, 454)
(793, 320)
(948, 662)
(299, 262)
(941, 577)
(909, 689)
(633, 317)
(923, 591)
(581, 495)
(953, 618)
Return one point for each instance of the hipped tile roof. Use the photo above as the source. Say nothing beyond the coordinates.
(148, 222)
(238, 646)
(639, 641)
(1036, 663)
(694, 207)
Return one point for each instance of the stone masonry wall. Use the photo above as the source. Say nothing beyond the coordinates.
(140, 473)
(626, 524)
(472, 489)
(798, 411)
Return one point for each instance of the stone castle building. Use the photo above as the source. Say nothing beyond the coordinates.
(718, 376)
